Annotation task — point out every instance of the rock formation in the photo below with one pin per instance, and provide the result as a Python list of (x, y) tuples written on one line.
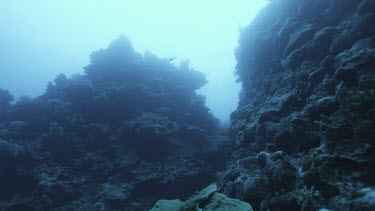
[(304, 130), (132, 130), (128, 132), (207, 199)]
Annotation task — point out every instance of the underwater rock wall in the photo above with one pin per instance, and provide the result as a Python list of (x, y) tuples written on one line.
[(304, 130), (129, 131)]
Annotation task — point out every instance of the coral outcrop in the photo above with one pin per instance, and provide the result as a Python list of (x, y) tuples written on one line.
[(304, 130), (129, 131)]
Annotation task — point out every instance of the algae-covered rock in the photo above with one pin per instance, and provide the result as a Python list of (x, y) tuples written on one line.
[(207, 199), (222, 203), (168, 205)]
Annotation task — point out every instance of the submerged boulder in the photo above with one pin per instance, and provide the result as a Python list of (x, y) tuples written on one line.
[(206, 199)]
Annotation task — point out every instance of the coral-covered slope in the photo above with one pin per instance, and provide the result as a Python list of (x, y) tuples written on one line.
[(129, 131), (304, 130)]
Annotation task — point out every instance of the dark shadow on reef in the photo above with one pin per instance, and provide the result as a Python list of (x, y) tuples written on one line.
[(128, 132)]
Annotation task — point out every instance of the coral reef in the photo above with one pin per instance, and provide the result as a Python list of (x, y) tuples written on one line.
[(304, 130), (129, 131), (132, 130)]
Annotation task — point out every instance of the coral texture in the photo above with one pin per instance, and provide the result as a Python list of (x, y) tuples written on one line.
[(304, 130), (129, 131)]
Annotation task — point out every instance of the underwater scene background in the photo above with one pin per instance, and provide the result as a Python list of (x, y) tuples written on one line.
[(132, 133)]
